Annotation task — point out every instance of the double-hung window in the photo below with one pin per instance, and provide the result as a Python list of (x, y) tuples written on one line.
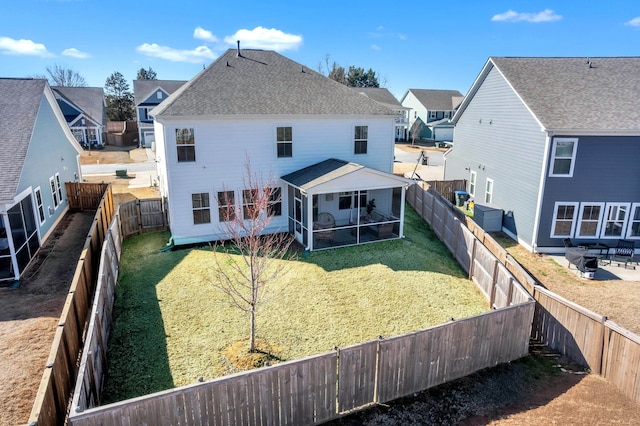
[(250, 209), (59, 188), (472, 183), (40, 205), (274, 208), (633, 231), (589, 220), (488, 192), (186, 145), (360, 139), (284, 139), (54, 192), (563, 157), (615, 220), (226, 206), (564, 219), (201, 208)]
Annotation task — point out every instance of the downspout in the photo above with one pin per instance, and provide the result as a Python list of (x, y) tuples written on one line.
[(545, 169)]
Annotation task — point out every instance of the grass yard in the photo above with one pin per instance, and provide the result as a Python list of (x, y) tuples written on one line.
[(171, 324)]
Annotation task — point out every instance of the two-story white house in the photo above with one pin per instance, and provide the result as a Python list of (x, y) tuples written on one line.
[(328, 149)]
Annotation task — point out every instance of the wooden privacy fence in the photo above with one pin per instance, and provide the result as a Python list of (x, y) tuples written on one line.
[(52, 398), (327, 386), (85, 196), (143, 215), (584, 336)]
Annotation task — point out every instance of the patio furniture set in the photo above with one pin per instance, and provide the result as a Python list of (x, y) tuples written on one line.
[(587, 257)]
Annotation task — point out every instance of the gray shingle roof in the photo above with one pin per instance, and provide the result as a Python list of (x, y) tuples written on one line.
[(264, 83), (566, 93), (19, 103), (142, 89), (438, 100), (380, 95), (321, 172), (89, 99)]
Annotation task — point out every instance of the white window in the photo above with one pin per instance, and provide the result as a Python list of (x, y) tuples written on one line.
[(201, 208), (589, 220), (159, 94), (54, 193), (284, 142), (39, 205), (564, 219), (633, 231), (615, 220), (59, 188), (186, 145), (563, 157), (472, 183), (488, 192)]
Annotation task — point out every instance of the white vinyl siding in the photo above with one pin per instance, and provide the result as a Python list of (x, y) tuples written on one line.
[(564, 220)]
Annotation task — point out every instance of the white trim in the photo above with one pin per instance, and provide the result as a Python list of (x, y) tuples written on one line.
[(488, 192), (42, 218), (541, 189), (634, 207), (622, 224), (553, 157), (54, 194), (555, 219), (598, 221), (473, 182)]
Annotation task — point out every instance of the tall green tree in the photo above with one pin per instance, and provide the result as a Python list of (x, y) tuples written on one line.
[(120, 105), (358, 77), (146, 74)]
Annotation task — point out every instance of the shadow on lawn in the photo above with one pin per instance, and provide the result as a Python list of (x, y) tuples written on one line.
[(137, 350)]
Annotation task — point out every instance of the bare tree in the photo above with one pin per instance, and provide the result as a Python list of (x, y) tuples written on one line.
[(62, 76), (251, 259)]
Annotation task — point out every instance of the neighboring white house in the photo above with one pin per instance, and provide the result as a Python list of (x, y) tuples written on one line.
[(431, 106), (329, 149), (147, 95)]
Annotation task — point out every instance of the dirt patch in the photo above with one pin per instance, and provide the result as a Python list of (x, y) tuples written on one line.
[(121, 190), (29, 316), (114, 155)]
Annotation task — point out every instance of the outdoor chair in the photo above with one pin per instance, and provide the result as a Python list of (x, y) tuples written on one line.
[(323, 228), (623, 253)]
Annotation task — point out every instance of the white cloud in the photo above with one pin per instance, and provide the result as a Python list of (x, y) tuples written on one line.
[(75, 53), (635, 22), (376, 47), (9, 46), (402, 36), (202, 34), (195, 56), (265, 38), (546, 15)]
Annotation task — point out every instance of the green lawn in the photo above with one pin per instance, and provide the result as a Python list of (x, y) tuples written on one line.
[(170, 322)]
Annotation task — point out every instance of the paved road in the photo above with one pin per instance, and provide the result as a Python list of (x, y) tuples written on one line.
[(435, 157), (107, 169)]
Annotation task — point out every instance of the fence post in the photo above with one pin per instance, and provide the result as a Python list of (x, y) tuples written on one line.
[(492, 296), (472, 259), (606, 341)]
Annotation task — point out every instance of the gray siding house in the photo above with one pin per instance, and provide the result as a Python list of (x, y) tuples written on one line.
[(38, 154), (554, 143), (431, 107), (85, 111), (147, 95), (384, 97)]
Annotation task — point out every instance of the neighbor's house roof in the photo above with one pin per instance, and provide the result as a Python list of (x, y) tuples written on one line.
[(335, 175), (19, 104), (380, 95), (579, 94), (262, 82), (437, 100), (142, 89), (89, 99)]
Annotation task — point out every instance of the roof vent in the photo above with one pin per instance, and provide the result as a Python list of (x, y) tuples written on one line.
[(302, 69), (239, 55)]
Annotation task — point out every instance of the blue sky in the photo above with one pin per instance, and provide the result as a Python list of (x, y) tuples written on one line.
[(440, 46)]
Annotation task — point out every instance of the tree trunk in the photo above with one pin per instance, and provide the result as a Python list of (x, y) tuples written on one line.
[(252, 334)]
